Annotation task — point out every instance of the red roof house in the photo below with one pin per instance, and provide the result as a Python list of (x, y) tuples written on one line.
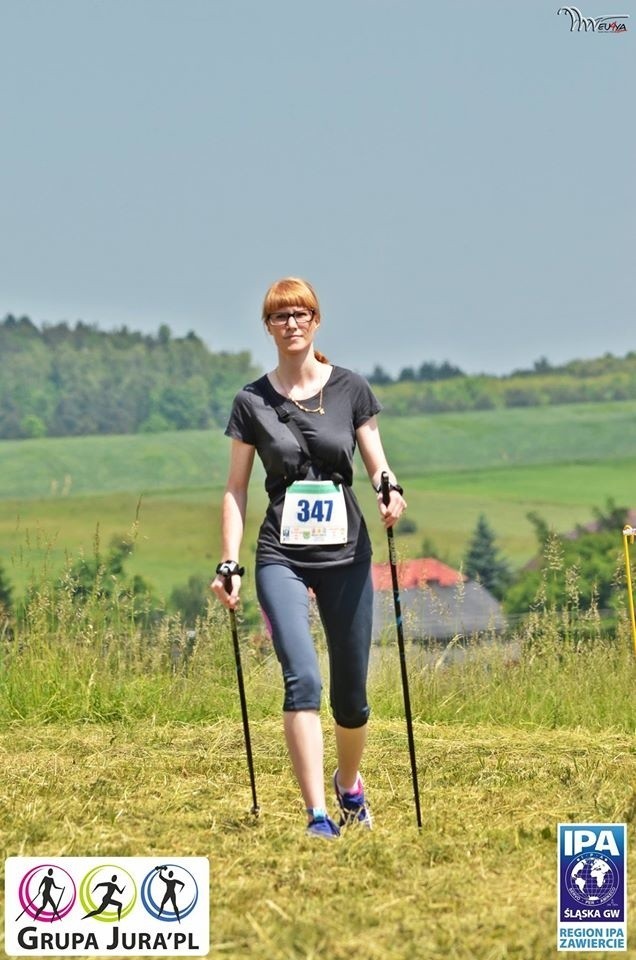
[(437, 602), (416, 573)]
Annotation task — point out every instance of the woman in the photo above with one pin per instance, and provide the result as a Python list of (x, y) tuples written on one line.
[(304, 419)]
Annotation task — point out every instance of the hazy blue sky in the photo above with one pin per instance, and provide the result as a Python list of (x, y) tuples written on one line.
[(456, 179)]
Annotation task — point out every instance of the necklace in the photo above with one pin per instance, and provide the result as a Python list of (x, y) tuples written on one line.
[(319, 409)]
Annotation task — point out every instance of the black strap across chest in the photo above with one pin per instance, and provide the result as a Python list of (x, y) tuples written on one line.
[(285, 415)]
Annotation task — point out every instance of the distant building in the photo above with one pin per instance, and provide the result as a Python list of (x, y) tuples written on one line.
[(437, 602)]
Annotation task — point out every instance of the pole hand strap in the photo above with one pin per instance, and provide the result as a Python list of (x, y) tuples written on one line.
[(229, 569)]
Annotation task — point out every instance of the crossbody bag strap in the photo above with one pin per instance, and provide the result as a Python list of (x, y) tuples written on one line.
[(284, 415)]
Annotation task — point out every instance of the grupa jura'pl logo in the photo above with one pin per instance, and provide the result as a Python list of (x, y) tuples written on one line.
[(94, 907), (592, 879), (169, 892), (46, 893), (108, 893)]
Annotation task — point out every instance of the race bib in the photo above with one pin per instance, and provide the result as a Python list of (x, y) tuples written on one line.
[(314, 512)]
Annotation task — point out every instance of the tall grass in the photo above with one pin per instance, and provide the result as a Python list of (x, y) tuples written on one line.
[(66, 662)]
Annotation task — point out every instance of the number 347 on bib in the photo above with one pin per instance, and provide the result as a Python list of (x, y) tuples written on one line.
[(314, 512)]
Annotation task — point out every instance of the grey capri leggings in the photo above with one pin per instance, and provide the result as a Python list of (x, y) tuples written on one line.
[(344, 595)]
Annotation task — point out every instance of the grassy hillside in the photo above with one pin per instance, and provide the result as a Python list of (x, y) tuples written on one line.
[(75, 466), (56, 494), (62, 467), (491, 438)]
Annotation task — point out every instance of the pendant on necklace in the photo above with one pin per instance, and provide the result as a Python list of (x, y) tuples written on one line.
[(319, 409)]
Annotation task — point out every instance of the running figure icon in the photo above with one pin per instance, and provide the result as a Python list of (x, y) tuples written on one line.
[(171, 884), (108, 901)]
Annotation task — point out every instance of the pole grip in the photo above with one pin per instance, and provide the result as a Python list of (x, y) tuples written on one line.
[(227, 570), (385, 488)]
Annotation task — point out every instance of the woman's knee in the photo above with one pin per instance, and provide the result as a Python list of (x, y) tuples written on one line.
[(303, 691), (351, 715)]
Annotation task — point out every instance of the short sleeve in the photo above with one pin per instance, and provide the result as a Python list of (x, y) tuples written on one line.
[(240, 426), (365, 403)]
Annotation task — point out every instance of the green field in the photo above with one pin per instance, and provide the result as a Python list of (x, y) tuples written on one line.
[(57, 495), (113, 743)]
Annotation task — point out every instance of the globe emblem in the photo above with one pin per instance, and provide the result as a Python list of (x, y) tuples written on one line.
[(592, 880)]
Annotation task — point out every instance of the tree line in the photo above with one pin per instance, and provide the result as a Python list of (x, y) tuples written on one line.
[(442, 388), (63, 380), (430, 371)]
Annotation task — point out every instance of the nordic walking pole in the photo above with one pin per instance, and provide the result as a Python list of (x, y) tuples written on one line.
[(386, 498), (227, 570), (629, 532), (59, 900), (31, 903)]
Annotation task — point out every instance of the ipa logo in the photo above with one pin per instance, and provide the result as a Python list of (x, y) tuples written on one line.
[(592, 887), (576, 841)]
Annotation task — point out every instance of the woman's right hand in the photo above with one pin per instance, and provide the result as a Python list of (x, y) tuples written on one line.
[(218, 587)]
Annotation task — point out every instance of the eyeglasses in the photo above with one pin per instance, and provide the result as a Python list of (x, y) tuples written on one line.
[(302, 317)]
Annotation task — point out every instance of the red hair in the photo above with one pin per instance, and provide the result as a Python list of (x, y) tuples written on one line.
[(293, 292)]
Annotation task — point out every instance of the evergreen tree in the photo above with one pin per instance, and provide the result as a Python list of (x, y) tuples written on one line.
[(6, 591), (612, 517), (104, 578), (191, 599), (483, 562), (379, 376)]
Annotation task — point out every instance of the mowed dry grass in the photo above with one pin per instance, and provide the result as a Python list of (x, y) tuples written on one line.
[(477, 882)]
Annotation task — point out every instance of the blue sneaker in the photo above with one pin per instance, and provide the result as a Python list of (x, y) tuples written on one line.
[(353, 805), (321, 825)]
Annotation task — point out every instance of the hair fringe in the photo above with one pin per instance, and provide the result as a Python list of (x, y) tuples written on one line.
[(290, 292)]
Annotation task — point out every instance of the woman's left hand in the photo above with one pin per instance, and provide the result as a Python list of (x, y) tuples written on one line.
[(392, 511)]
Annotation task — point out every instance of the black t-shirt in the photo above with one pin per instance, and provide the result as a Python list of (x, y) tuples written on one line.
[(330, 438)]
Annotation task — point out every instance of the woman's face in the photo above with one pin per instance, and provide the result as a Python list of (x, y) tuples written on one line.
[(293, 328)]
